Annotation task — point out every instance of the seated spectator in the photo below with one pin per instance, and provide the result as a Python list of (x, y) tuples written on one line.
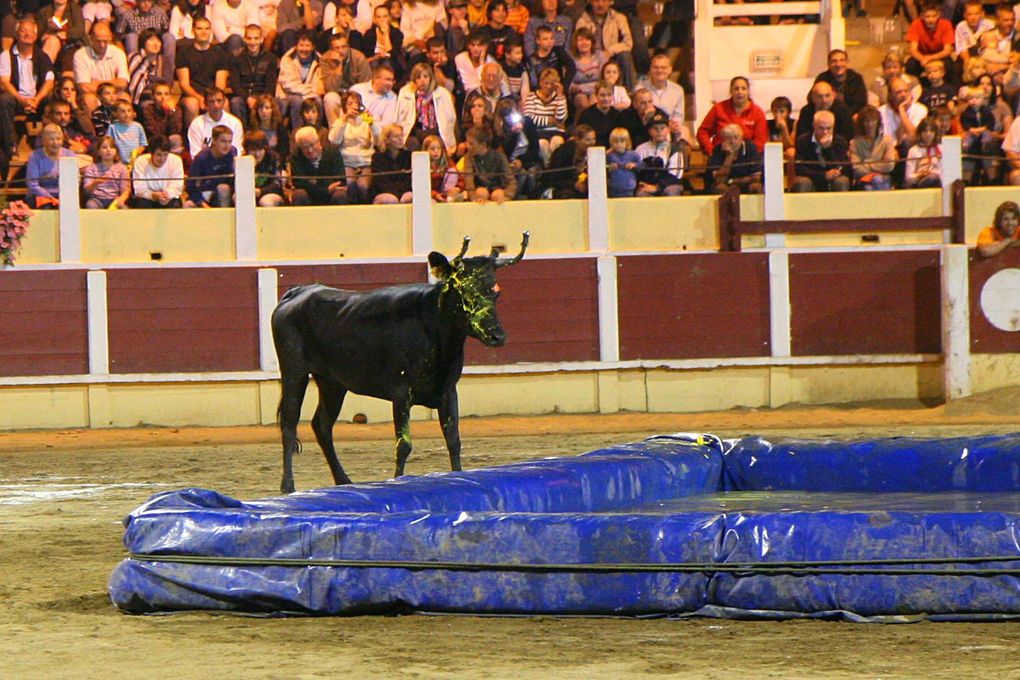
[(562, 27), (1004, 232), (822, 158), (996, 45), (602, 117), (43, 170), (622, 164), (378, 97), (978, 124), (355, 134), (495, 31), (612, 75), (251, 74), (929, 37), (383, 43), (517, 137), (391, 168), (266, 118), (100, 62), (200, 132), (97, 10), (105, 183), (470, 62), (662, 160), (20, 95), (847, 83), (161, 118), (293, 18), (299, 79), (734, 162), (103, 114), (948, 123), (547, 109), (443, 67), (901, 115), (974, 23), (311, 116), (337, 19), (998, 103), (515, 70), (1011, 147), (73, 138), (341, 68), (146, 66), (568, 167), (182, 20), (61, 30), (666, 95), (477, 113), (637, 117), (924, 159), (476, 13), (229, 19), (418, 23), (317, 172), (493, 86), (612, 35), (517, 16), (823, 98), (487, 173), (67, 92), (872, 152), (892, 67), (147, 16), (457, 33), (782, 124), (548, 56), (937, 92), (158, 177), (200, 66), (127, 133), (424, 109), (737, 109), (211, 176), (588, 63), (268, 178), (447, 184)]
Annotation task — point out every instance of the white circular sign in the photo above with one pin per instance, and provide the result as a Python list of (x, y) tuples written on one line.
[(1000, 300)]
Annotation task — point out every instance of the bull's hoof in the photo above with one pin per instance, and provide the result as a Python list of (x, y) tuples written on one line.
[(287, 486)]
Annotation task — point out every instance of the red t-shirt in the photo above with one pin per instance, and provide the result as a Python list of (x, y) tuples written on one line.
[(930, 42)]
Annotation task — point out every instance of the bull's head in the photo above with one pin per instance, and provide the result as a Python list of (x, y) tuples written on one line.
[(470, 290)]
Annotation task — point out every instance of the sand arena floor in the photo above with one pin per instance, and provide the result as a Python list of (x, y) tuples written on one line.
[(63, 494)]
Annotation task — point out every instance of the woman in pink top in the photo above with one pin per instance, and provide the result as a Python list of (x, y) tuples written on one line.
[(737, 109)]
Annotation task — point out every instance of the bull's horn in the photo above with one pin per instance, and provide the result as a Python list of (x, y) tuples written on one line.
[(463, 248), (516, 258)]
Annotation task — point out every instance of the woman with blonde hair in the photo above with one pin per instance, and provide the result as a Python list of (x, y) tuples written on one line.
[(391, 168), (425, 109)]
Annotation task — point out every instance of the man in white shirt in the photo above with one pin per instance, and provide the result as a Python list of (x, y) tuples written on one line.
[(102, 62), (1011, 145), (229, 18), (471, 61), (666, 95), (901, 114), (378, 96), (974, 23), (26, 79), (158, 177), (200, 130)]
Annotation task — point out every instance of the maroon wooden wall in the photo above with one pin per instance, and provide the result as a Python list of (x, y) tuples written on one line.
[(351, 276), (865, 303), (549, 310), (183, 320), (43, 323), (693, 306), (984, 337)]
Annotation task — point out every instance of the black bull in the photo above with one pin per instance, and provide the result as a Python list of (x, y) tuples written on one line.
[(404, 344)]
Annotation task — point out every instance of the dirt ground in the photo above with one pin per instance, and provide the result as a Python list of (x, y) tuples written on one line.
[(63, 494)]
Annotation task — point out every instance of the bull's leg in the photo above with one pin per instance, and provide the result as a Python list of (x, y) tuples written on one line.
[(292, 394), (402, 427), (449, 420), (331, 398)]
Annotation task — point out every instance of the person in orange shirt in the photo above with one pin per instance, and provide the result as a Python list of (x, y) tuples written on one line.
[(1004, 232)]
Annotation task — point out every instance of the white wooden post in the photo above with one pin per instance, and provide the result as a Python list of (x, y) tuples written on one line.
[(98, 315), (267, 286), (245, 229), (779, 302), (952, 170), (955, 321), (775, 206), (70, 210), (421, 204), (598, 202), (609, 310)]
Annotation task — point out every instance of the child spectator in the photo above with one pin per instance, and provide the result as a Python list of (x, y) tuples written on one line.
[(611, 74), (211, 176), (735, 162), (662, 163), (588, 63), (924, 160), (872, 153), (602, 117), (391, 168), (268, 180), (978, 124), (930, 36), (447, 186), (547, 109), (516, 72), (128, 134), (562, 27), (548, 55), (892, 67), (488, 176), (967, 31), (782, 124), (354, 134), (622, 163), (103, 114), (105, 184), (158, 176), (937, 92), (43, 169), (947, 122)]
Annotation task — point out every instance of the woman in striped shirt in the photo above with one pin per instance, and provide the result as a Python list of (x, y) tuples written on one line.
[(547, 109)]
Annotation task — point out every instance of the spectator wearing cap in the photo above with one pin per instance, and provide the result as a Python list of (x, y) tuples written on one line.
[(561, 27), (100, 62), (662, 162), (459, 29), (822, 160), (612, 35)]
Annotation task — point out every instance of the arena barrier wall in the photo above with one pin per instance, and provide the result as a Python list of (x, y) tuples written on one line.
[(904, 529)]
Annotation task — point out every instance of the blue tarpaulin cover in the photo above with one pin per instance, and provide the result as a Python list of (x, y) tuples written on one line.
[(672, 525)]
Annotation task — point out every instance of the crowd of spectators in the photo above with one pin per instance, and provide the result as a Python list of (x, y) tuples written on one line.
[(156, 98)]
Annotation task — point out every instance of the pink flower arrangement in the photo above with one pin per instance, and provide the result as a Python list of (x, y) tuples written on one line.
[(14, 218)]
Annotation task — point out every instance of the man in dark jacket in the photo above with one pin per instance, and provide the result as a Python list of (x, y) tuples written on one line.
[(317, 172), (823, 98), (822, 159), (568, 166), (211, 175), (251, 73), (846, 82)]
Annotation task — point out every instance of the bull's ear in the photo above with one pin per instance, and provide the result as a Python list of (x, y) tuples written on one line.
[(439, 265)]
